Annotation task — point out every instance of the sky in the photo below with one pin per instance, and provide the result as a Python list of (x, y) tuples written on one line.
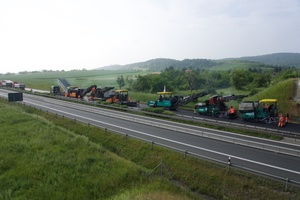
[(87, 34)]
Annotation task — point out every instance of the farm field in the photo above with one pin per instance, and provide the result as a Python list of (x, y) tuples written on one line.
[(80, 78)]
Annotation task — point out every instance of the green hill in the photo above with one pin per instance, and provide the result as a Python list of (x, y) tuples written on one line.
[(160, 64), (270, 60), (283, 92), (276, 59)]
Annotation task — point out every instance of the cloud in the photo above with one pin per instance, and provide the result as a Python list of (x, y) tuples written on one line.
[(64, 34)]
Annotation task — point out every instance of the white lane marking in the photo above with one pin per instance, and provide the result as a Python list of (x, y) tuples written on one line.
[(173, 141)]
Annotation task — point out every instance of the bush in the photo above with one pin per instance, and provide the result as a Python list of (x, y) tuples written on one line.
[(154, 110)]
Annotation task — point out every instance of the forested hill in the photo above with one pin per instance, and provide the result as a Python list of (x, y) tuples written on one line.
[(160, 64), (276, 59)]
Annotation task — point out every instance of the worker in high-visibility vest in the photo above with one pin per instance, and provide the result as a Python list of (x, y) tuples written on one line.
[(287, 118), (231, 111), (281, 120)]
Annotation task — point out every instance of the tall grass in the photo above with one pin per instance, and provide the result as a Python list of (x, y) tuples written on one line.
[(40, 160)]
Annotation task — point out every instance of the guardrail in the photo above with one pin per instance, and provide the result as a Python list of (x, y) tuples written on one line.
[(206, 134), (192, 130), (290, 134), (275, 148), (230, 159)]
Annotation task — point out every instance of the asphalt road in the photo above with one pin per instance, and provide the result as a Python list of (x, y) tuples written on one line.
[(180, 136), (292, 127)]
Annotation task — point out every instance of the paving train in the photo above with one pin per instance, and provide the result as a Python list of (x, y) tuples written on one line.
[(92, 93)]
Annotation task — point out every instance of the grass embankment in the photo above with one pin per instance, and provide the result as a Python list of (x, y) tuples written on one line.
[(40, 160), (62, 159), (283, 92)]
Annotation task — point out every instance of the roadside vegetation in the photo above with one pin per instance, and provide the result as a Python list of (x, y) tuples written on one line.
[(45, 156), (283, 92), (40, 160)]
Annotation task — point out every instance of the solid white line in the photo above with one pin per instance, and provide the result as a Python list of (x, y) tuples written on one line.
[(173, 141)]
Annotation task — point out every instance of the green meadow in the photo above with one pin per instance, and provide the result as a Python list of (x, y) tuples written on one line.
[(42, 160), (80, 78)]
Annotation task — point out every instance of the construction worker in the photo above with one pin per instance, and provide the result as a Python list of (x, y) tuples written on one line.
[(213, 112), (287, 118), (160, 98), (281, 121), (266, 109), (231, 111)]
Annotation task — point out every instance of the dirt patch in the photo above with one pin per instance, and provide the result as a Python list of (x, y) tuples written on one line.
[(295, 105), (296, 93)]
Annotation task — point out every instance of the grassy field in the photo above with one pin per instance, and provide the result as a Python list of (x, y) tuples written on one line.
[(45, 156), (80, 78), (235, 64), (40, 160)]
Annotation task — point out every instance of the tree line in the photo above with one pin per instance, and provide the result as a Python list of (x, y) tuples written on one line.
[(188, 79)]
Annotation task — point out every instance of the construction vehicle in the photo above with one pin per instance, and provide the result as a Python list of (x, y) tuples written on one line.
[(120, 97), (13, 84), (95, 93), (88, 90), (73, 91), (264, 110), (7, 83), (101, 93), (169, 101), (18, 85), (216, 106), (69, 91), (55, 90)]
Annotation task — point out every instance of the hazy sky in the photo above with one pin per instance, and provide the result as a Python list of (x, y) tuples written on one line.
[(77, 34)]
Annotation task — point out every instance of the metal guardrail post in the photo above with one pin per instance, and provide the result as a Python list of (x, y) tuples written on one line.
[(286, 184), (185, 153), (229, 162)]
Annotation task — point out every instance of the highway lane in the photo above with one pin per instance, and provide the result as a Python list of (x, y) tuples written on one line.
[(216, 134), (282, 165)]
